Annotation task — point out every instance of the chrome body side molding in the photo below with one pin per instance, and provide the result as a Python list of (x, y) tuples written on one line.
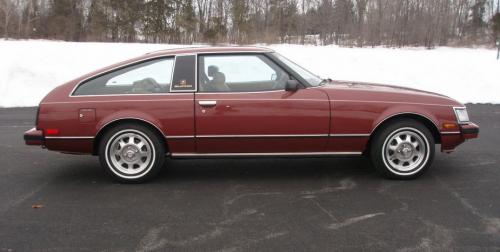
[(263, 136), (69, 137), (265, 154), (451, 133), (267, 136), (349, 135)]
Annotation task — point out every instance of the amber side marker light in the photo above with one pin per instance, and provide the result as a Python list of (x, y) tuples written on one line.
[(450, 126), (51, 132)]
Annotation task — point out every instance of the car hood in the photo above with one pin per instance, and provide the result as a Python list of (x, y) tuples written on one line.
[(382, 92), (378, 87)]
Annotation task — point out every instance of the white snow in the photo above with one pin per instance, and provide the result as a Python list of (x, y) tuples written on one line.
[(467, 75), (30, 69)]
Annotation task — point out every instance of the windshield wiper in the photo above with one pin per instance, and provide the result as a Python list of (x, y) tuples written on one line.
[(325, 81)]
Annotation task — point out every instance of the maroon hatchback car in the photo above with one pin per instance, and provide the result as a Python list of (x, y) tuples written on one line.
[(241, 102)]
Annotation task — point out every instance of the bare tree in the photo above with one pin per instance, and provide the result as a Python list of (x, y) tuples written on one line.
[(345, 22), (7, 7)]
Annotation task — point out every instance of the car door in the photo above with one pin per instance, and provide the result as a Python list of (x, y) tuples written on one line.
[(264, 120)]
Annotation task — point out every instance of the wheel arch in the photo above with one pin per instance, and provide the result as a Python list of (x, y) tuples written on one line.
[(429, 123), (111, 124)]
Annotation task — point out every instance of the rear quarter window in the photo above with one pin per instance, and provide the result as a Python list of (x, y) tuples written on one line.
[(153, 76)]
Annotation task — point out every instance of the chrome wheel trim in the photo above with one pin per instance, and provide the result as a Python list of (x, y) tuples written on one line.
[(405, 151), (130, 154)]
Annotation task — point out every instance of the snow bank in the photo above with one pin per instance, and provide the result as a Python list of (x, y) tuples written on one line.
[(30, 69), (467, 75)]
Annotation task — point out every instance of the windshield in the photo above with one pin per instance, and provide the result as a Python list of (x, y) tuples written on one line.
[(311, 78)]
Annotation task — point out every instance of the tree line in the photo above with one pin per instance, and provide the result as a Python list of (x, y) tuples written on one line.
[(343, 22)]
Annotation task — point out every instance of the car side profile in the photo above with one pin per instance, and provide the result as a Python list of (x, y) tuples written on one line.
[(241, 102)]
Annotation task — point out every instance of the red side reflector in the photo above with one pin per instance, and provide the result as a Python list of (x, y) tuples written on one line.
[(52, 132)]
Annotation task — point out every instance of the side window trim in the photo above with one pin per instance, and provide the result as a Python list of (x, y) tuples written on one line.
[(195, 74), (118, 68), (257, 54)]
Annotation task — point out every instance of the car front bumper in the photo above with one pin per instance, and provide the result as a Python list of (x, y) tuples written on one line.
[(449, 141), (469, 131), (34, 137)]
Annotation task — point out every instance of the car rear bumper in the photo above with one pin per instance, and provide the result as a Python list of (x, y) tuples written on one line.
[(449, 141), (34, 137)]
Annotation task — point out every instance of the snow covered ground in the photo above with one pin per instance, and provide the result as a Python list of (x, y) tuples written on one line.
[(30, 69)]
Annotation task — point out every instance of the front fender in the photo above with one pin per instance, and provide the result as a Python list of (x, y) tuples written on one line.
[(405, 109)]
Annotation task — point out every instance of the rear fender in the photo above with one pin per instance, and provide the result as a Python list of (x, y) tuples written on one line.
[(129, 114)]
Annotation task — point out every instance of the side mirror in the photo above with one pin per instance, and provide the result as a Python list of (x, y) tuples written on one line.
[(292, 85)]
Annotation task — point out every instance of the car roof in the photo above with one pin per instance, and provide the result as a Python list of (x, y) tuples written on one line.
[(211, 49), (178, 51)]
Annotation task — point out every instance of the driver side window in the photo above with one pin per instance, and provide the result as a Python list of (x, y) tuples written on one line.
[(239, 73)]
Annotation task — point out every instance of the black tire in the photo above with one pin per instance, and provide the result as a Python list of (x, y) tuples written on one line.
[(146, 153), (397, 152)]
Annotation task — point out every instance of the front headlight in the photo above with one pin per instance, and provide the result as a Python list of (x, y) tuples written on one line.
[(462, 115)]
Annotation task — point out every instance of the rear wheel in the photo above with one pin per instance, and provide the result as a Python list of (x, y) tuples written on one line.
[(131, 153), (403, 149)]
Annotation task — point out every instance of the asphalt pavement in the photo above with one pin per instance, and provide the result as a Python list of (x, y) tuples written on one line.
[(58, 202)]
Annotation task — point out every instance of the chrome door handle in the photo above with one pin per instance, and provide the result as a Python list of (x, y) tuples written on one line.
[(207, 103)]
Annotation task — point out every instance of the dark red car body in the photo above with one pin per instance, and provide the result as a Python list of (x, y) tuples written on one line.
[(337, 118)]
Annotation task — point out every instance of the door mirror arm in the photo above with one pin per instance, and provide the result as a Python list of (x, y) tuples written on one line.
[(292, 85)]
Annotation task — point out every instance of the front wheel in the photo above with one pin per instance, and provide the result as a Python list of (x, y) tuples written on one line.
[(131, 153), (403, 149)]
